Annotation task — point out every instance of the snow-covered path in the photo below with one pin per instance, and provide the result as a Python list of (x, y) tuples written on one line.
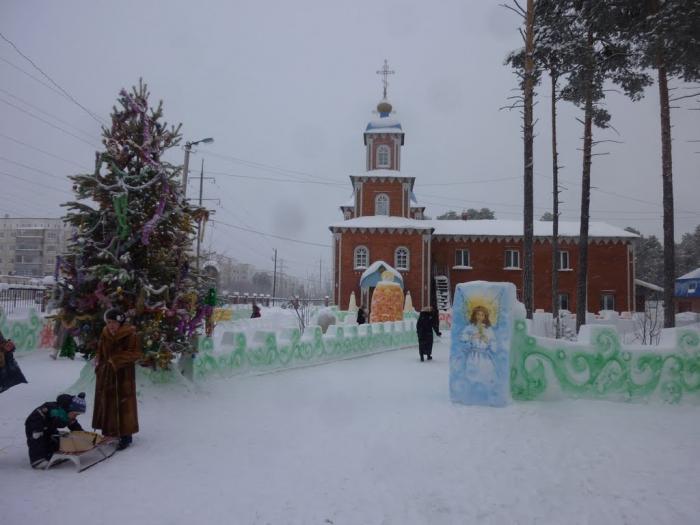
[(372, 440)]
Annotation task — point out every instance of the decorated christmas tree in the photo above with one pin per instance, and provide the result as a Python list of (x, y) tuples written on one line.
[(133, 233)]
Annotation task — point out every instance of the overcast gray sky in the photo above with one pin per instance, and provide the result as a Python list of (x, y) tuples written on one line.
[(286, 89)]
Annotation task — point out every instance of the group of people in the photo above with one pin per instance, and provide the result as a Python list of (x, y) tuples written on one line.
[(115, 411)]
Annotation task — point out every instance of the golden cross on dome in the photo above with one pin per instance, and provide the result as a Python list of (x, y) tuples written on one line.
[(385, 72)]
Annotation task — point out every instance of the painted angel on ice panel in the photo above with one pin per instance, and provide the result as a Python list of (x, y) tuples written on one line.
[(482, 324), (478, 346)]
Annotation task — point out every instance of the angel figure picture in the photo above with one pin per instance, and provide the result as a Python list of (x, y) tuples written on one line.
[(477, 343)]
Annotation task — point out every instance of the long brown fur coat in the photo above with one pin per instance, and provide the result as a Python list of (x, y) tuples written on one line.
[(115, 390)]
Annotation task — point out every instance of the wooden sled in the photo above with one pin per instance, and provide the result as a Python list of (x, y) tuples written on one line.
[(83, 449)]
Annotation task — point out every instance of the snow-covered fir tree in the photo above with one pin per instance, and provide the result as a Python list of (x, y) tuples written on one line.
[(133, 232)]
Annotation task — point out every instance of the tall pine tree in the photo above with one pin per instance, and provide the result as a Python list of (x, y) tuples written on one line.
[(133, 233)]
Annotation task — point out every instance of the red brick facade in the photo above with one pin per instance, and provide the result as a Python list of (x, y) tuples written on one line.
[(610, 269), (382, 247)]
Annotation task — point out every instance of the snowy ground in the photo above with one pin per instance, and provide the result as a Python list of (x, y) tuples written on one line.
[(372, 440)]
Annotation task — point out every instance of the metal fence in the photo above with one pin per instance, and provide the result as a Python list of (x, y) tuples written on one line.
[(19, 298)]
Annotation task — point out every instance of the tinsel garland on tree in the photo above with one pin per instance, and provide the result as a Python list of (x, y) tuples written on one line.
[(133, 233)]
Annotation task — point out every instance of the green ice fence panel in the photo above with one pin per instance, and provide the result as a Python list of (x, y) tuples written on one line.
[(23, 332), (287, 349), (605, 369)]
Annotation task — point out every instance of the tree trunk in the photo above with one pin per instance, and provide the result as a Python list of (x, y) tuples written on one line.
[(555, 208), (582, 278), (528, 151), (667, 178)]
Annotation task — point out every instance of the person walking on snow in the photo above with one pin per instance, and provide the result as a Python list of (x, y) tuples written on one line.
[(256, 311), (41, 426), (118, 349), (424, 328), (361, 318)]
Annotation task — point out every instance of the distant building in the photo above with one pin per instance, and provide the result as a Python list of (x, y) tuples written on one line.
[(384, 222), (29, 246), (688, 292)]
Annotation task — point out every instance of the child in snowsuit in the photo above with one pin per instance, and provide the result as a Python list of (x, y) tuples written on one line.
[(424, 328), (41, 427)]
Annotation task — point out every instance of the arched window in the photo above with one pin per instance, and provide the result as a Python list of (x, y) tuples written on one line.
[(401, 258), (383, 156), (361, 257), (381, 204)]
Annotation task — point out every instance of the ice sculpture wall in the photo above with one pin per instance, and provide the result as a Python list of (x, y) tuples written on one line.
[(241, 352), (598, 366)]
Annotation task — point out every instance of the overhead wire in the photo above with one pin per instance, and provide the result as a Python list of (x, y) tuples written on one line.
[(56, 84), (48, 114), (7, 137), (92, 145)]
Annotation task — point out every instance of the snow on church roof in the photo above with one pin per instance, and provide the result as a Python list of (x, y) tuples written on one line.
[(383, 221), (384, 173), (384, 125), (484, 228), (514, 228)]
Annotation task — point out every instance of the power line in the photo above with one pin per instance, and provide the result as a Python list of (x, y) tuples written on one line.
[(297, 181), (36, 108), (268, 167), (31, 76), (32, 168), (49, 123), (273, 235), (483, 181), (65, 93), (41, 184), (43, 151)]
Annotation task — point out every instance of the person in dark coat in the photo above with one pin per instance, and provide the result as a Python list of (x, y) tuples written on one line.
[(424, 329), (256, 311), (41, 427), (118, 350), (361, 318), (10, 373)]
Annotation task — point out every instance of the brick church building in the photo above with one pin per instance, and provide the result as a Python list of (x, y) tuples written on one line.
[(383, 227)]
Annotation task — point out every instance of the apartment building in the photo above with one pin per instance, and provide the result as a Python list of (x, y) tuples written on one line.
[(29, 246)]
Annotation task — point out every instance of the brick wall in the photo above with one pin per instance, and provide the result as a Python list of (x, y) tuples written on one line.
[(393, 190), (608, 270), (381, 248)]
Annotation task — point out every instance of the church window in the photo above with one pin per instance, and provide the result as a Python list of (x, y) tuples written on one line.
[(381, 204), (401, 258), (361, 257), (383, 156)]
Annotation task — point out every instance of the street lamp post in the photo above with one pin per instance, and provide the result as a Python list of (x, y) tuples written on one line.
[(186, 167)]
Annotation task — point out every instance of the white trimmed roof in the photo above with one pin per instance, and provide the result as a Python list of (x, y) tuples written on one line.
[(375, 266), (384, 125), (384, 173), (488, 228), (695, 274), (514, 228), (383, 221)]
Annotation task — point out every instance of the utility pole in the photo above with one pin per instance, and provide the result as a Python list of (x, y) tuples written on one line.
[(186, 166), (320, 276), (274, 280), (199, 224)]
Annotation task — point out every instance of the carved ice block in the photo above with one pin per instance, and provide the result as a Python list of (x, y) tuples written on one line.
[(482, 327)]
